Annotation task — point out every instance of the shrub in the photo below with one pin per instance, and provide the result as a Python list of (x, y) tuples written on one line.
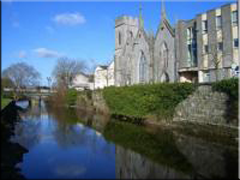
[(71, 96), (141, 100), (230, 87)]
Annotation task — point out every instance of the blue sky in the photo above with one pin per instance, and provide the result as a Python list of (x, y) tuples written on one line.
[(40, 32)]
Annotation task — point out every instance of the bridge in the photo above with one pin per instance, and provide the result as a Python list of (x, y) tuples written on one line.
[(32, 94)]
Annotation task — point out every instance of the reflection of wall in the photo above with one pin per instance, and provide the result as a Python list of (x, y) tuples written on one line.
[(95, 120), (132, 165), (208, 160)]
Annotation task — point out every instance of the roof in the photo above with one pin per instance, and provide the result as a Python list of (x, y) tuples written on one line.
[(103, 66)]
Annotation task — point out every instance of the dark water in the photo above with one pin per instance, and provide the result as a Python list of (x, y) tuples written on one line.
[(65, 143)]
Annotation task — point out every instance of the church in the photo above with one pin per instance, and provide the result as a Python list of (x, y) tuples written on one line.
[(142, 57)]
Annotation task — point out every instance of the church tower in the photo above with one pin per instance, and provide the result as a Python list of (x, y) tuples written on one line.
[(126, 28)]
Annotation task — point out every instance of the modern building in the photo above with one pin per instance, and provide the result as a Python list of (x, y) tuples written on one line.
[(207, 47)]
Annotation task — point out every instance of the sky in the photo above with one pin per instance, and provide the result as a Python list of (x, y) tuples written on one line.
[(39, 33)]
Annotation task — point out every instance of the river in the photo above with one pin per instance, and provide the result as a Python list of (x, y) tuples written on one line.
[(69, 143)]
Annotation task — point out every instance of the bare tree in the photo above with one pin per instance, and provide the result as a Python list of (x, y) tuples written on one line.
[(22, 75), (66, 69), (216, 56)]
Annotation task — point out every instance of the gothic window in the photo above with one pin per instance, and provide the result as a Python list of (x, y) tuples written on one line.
[(131, 34), (205, 26), (142, 68), (234, 17), (165, 77), (164, 54), (218, 22), (119, 38)]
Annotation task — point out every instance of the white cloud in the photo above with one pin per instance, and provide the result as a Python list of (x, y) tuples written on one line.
[(69, 19), (22, 54), (47, 53)]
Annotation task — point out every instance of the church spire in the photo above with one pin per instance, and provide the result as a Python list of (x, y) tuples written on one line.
[(163, 12), (140, 17)]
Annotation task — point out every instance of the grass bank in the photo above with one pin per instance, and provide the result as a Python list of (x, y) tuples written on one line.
[(5, 102)]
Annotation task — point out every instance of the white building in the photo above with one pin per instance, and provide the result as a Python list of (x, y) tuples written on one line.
[(110, 74), (100, 77), (81, 82)]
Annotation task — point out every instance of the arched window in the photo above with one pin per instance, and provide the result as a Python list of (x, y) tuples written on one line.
[(165, 77), (119, 38), (131, 34), (142, 68), (164, 55)]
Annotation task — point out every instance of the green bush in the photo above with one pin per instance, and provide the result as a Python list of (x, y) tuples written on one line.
[(230, 87), (71, 96), (150, 99)]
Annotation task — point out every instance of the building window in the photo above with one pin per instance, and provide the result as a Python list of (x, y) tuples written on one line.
[(142, 68), (191, 46), (204, 26), (119, 38), (164, 54), (220, 46), (235, 17), (235, 43), (219, 22), (205, 49)]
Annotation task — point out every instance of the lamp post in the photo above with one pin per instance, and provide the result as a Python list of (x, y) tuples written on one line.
[(49, 79)]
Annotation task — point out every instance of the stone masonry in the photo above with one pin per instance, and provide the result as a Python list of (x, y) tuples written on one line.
[(204, 106)]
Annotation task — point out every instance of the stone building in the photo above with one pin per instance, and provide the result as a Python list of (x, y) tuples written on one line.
[(197, 50), (207, 46), (141, 57)]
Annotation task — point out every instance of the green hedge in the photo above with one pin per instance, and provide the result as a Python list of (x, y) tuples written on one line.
[(230, 87), (150, 99)]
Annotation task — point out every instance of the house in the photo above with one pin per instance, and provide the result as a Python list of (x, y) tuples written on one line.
[(82, 82), (100, 77)]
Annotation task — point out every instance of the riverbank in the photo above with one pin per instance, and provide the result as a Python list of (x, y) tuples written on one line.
[(5, 102), (11, 153)]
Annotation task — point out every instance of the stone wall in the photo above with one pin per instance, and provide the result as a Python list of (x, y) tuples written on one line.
[(205, 106), (99, 102)]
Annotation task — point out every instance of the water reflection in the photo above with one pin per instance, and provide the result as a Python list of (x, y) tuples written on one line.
[(71, 143), (131, 165)]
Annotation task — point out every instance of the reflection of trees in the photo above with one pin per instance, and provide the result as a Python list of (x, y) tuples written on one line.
[(27, 133), (70, 131)]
